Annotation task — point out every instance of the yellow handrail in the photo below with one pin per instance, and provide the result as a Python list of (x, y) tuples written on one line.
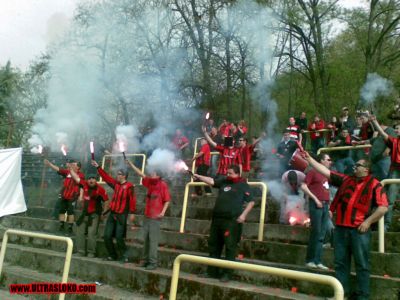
[(262, 210), (39, 235), (120, 155), (329, 149), (319, 130), (381, 223), (297, 275)]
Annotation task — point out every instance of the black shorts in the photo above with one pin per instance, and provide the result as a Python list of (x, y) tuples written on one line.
[(66, 206)]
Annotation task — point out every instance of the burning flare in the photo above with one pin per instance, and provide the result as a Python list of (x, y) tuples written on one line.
[(292, 220), (180, 165), (207, 116), (92, 149), (64, 150)]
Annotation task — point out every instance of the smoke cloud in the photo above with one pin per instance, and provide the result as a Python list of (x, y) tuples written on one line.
[(375, 86)]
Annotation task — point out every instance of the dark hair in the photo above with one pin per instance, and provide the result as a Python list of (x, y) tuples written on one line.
[(292, 176), (124, 172), (321, 156), (367, 162), (235, 168)]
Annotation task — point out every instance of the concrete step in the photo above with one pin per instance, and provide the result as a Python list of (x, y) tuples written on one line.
[(280, 252), (155, 283), (193, 211), (274, 232), (24, 275)]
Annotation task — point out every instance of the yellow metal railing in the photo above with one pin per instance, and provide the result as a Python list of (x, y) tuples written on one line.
[(381, 223), (262, 210), (103, 163), (297, 275), (39, 235), (329, 149)]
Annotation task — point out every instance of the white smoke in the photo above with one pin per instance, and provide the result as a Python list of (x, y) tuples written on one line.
[(162, 160), (375, 86), (128, 135)]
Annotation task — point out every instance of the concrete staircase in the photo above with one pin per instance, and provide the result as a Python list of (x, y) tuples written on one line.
[(284, 246)]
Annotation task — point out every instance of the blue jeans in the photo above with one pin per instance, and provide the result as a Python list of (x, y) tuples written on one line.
[(344, 165), (392, 193), (349, 242), (316, 144), (319, 220), (380, 169)]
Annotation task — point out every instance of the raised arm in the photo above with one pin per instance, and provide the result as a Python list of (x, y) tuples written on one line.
[(107, 178), (75, 176), (52, 166), (379, 128), (134, 168), (205, 179), (317, 166), (208, 138)]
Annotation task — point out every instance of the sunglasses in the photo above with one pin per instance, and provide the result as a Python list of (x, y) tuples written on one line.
[(241, 140), (359, 165)]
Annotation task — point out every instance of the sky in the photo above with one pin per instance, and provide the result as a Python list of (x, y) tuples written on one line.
[(27, 26)]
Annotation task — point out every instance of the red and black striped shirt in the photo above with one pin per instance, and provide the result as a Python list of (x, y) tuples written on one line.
[(245, 155), (227, 156), (92, 196), (70, 189), (124, 198), (355, 198)]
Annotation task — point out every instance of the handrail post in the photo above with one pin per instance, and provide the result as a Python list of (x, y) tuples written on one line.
[(184, 207), (292, 274), (39, 235)]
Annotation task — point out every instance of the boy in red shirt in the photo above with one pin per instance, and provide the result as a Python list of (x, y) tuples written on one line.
[(203, 164), (93, 196), (246, 151), (69, 193), (157, 201)]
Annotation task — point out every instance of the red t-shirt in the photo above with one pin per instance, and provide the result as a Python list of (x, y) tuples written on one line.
[(394, 143), (157, 195), (70, 189), (245, 153), (205, 158), (318, 185), (124, 198), (92, 196), (355, 198), (179, 141), (227, 157), (316, 126)]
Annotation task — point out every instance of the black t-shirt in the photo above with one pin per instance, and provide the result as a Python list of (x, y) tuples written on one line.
[(231, 198)]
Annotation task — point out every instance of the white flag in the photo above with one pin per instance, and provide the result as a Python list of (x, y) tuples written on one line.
[(12, 200)]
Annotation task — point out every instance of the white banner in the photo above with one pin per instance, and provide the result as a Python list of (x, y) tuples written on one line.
[(12, 200)]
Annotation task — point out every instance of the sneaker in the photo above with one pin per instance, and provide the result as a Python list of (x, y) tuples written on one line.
[(322, 267), (150, 267), (91, 255), (311, 265), (209, 194), (326, 245)]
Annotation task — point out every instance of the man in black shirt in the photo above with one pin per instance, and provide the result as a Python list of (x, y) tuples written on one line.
[(228, 216)]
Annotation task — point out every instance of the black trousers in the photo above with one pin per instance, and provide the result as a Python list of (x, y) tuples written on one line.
[(223, 232), (202, 170), (115, 227)]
